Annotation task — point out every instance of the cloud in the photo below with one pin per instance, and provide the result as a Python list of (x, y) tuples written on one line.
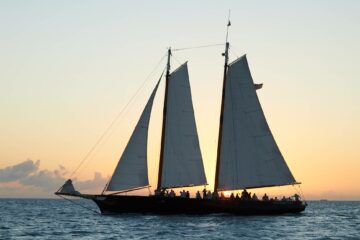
[(19, 171), (97, 182), (28, 174)]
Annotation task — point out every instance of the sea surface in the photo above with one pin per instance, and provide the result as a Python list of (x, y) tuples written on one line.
[(60, 219)]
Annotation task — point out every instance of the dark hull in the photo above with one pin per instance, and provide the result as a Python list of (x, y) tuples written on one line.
[(160, 205)]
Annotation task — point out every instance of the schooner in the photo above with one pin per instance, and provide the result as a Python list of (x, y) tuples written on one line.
[(247, 154)]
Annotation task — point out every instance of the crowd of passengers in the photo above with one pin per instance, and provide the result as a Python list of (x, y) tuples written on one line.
[(245, 195)]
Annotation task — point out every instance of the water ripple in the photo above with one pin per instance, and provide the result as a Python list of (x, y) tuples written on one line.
[(59, 219)]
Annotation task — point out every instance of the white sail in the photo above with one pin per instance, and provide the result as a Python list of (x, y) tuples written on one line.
[(249, 155), (131, 171), (182, 162)]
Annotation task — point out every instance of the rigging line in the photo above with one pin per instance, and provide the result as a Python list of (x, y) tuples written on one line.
[(195, 47), (116, 118), (235, 49), (180, 61), (73, 202), (228, 25), (233, 52), (301, 193), (114, 123), (103, 142), (106, 139)]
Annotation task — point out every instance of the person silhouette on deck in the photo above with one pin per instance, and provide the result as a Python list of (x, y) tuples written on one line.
[(265, 197), (204, 193), (254, 197), (208, 195), (172, 194), (244, 195), (183, 194), (297, 197), (198, 195)]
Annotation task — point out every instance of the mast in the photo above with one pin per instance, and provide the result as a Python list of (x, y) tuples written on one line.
[(164, 120), (226, 55)]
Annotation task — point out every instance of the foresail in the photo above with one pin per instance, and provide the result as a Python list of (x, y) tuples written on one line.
[(131, 171), (182, 163), (249, 155), (68, 189)]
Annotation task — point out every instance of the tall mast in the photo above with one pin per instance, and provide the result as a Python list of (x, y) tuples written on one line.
[(226, 55), (164, 120)]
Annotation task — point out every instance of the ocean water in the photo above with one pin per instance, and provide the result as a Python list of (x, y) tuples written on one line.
[(60, 219)]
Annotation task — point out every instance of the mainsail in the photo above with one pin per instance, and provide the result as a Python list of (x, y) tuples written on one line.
[(182, 161), (249, 155), (131, 171)]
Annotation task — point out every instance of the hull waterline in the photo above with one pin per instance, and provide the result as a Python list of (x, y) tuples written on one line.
[(162, 205)]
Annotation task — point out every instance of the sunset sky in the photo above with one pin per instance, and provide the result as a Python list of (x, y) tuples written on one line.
[(68, 68)]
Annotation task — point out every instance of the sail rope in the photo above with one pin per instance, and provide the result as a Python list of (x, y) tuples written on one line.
[(110, 126), (233, 52), (195, 47), (87, 208), (178, 59), (300, 192)]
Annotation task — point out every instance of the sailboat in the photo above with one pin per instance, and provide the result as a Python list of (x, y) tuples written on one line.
[(247, 154)]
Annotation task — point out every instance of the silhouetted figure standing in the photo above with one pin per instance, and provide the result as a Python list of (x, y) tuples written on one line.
[(265, 197), (232, 196), (204, 193), (198, 195)]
